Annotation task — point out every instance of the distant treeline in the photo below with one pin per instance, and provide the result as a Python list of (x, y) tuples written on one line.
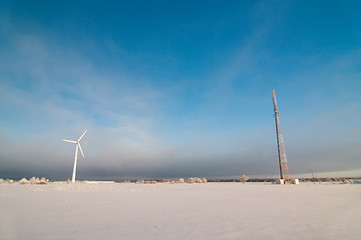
[(315, 179)]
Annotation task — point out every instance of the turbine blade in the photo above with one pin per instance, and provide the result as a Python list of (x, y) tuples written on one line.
[(82, 135), (81, 150), (69, 141)]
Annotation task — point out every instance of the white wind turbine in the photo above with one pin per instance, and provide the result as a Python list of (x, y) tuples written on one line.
[(76, 153)]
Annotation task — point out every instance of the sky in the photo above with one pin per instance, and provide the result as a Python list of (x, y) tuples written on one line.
[(179, 88)]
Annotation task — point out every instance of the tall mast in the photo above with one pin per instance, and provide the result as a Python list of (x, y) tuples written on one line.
[(282, 158)]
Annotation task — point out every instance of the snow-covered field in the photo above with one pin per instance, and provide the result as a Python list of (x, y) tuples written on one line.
[(180, 211)]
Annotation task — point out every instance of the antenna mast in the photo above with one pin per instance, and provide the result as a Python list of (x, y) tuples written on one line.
[(282, 158)]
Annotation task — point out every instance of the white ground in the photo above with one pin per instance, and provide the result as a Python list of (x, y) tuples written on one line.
[(180, 211)]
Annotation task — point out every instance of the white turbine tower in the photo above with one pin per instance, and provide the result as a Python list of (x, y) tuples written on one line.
[(77, 143)]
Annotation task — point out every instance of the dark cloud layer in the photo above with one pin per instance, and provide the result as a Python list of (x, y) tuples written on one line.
[(45, 160)]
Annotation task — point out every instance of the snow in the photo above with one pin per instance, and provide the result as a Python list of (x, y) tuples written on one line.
[(180, 211)]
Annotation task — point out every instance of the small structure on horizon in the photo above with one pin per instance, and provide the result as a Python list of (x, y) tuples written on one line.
[(77, 143)]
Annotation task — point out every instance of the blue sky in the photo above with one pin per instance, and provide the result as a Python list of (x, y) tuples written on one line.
[(177, 89)]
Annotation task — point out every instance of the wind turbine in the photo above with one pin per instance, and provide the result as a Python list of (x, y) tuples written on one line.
[(77, 143)]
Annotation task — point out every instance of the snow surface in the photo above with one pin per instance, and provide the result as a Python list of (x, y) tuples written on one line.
[(180, 211)]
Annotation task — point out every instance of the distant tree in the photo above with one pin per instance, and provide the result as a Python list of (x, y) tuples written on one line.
[(181, 180), (23, 181), (313, 178), (191, 180), (244, 178)]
